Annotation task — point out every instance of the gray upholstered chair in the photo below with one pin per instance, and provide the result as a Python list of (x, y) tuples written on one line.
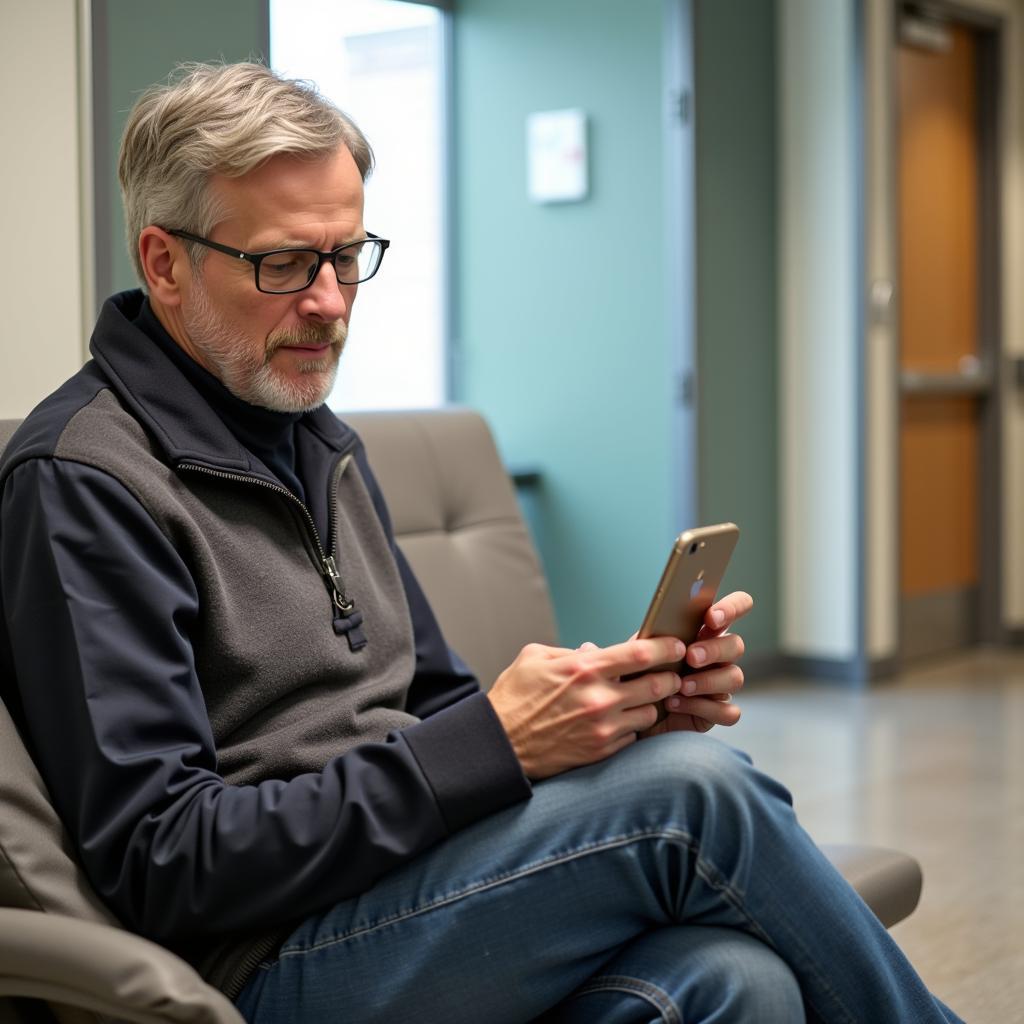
[(62, 954)]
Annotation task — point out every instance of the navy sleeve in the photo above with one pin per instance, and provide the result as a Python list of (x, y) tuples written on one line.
[(98, 611)]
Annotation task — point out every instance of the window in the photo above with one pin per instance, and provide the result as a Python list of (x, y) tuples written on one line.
[(382, 62)]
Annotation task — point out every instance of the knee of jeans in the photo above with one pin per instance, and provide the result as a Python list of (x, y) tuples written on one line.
[(754, 983), (697, 766), (696, 973)]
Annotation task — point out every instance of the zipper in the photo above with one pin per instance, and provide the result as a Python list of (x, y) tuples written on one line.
[(341, 602), (328, 568), (332, 533), (261, 951)]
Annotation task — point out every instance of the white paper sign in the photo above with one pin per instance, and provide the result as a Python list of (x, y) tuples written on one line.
[(556, 146)]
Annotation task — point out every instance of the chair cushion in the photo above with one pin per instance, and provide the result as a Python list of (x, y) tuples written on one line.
[(110, 972)]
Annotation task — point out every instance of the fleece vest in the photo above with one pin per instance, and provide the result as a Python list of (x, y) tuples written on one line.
[(281, 700)]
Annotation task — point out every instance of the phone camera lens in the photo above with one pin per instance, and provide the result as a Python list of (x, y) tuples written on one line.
[(693, 549)]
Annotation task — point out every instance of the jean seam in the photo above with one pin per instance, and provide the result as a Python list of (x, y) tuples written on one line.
[(484, 886), (639, 987)]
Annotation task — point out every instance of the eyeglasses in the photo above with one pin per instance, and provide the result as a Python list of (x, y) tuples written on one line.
[(281, 271)]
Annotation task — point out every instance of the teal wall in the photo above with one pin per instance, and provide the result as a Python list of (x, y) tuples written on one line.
[(559, 318), (567, 351), (137, 43), (734, 46)]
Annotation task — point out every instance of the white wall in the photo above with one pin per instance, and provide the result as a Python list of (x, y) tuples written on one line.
[(818, 343), (42, 293)]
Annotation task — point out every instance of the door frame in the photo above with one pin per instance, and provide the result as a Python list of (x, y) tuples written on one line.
[(680, 199)]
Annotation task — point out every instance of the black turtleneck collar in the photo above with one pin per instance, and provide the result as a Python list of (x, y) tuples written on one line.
[(268, 435)]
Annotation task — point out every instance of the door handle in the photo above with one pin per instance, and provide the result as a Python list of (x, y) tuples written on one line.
[(975, 378)]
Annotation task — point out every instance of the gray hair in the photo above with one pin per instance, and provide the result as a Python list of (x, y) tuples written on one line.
[(218, 119)]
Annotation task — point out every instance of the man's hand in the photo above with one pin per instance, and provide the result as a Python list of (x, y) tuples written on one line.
[(706, 696), (563, 708)]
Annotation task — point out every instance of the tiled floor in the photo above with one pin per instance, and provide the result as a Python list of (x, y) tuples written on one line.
[(931, 763)]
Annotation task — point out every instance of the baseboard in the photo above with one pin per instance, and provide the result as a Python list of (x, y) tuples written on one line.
[(762, 666), (884, 668), (851, 672)]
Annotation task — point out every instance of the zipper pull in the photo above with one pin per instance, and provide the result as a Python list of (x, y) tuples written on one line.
[(341, 602), (347, 621)]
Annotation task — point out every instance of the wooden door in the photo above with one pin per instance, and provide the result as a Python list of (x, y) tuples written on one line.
[(943, 377)]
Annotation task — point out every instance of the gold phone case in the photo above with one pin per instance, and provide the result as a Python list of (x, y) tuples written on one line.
[(690, 582)]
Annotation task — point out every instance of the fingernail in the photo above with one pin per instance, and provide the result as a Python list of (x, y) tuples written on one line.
[(674, 703), (680, 649), (717, 618), (698, 655), (689, 687)]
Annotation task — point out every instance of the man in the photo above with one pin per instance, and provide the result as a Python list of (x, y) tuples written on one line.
[(306, 794)]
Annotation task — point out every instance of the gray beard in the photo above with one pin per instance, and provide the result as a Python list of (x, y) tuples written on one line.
[(228, 353)]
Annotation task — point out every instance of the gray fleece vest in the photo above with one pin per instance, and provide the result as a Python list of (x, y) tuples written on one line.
[(284, 691)]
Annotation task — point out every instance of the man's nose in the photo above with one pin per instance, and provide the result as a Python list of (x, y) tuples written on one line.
[(325, 299)]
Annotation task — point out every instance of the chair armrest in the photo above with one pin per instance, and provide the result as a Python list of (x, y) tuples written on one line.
[(888, 881), (107, 970)]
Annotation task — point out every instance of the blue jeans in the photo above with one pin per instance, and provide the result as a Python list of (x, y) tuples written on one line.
[(669, 883)]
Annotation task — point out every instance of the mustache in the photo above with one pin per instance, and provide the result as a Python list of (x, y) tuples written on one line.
[(333, 334)]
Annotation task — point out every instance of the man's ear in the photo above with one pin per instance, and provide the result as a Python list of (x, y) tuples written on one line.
[(165, 264)]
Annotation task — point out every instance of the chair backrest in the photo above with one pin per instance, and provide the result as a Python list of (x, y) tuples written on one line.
[(7, 427)]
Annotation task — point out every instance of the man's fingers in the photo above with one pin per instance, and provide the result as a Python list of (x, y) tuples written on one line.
[(715, 650), (724, 612), (722, 679), (649, 689), (707, 709), (638, 656)]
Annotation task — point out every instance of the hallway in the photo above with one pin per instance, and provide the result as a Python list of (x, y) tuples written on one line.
[(931, 763)]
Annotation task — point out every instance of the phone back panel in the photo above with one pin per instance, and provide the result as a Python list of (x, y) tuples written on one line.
[(690, 582)]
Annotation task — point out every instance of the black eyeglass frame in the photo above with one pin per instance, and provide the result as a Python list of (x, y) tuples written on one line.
[(256, 258)]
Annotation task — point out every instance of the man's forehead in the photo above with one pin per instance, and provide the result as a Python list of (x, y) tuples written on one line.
[(285, 199)]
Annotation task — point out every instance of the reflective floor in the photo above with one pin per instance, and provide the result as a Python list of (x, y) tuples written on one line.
[(931, 763)]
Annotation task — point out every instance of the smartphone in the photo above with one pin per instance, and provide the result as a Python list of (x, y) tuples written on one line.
[(688, 585)]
